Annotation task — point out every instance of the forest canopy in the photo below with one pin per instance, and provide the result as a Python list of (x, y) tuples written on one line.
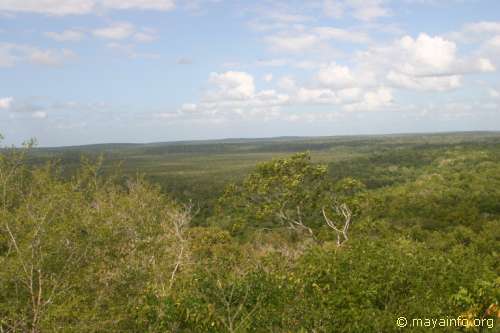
[(292, 246)]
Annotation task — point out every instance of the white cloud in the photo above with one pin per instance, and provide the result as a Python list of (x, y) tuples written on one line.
[(233, 94), (277, 17), (305, 64), (372, 100), (27, 106), (65, 36), (39, 115), (483, 27), (5, 103), (484, 65), (492, 47), (32, 107), (304, 39), (344, 80), (476, 31), (270, 97), (336, 76), (287, 83), (494, 42), (333, 8), (426, 55), (367, 10), (81, 7), (189, 108), (423, 63), (492, 92), (315, 96), (123, 30), (11, 54), (144, 37), (49, 7), (342, 35), (485, 34), (117, 31), (331, 91), (162, 5), (50, 57), (364, 10), (268, 77), (432, 83), (231, 85), (286, 17), (292, 42)]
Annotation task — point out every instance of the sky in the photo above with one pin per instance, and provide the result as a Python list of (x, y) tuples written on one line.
[(95, 71)]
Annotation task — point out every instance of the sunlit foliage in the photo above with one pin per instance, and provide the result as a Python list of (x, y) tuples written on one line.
[(93, 250)]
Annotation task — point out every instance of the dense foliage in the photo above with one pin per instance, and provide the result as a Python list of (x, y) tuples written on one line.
[(95, 251)]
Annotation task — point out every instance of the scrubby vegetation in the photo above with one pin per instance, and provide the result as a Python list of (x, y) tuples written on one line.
[(346, 238)]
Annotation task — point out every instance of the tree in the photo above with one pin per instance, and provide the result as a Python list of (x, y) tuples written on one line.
[(79, 253), (292, 192)]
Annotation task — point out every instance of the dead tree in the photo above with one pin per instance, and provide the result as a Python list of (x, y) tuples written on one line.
[(341, 229), (180, 219), (294, 223)]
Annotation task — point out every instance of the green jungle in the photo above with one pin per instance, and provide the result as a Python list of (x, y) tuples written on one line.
[(292, 234)]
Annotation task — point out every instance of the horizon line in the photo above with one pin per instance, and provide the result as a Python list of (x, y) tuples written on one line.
[(264, 138)]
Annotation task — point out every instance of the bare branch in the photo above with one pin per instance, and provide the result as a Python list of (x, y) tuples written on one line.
[(344, 211), (296, 223)]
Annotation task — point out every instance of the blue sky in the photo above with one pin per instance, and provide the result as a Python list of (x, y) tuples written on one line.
[(93, 71)]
